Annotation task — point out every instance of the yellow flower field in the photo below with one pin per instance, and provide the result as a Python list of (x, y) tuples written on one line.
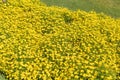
[(38, 42)]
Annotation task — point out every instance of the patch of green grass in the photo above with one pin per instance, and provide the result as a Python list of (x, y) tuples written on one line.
[(2, 77), (109, 7)]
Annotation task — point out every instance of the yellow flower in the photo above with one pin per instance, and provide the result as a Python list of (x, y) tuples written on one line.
[(82, 71)]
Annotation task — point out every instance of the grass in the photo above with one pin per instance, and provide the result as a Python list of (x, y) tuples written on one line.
[(2, 77), (109, 7)]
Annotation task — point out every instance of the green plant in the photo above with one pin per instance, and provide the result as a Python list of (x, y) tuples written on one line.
[(109, 7)]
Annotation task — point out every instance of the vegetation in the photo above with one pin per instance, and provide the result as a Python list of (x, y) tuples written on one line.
[(109, 7), (2, 77), (38, 42)]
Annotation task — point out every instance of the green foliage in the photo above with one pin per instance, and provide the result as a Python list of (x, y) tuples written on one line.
[(38, 42), (109, 7), (2, 76)]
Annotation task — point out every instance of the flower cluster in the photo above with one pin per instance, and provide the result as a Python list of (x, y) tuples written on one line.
[(52, 43)]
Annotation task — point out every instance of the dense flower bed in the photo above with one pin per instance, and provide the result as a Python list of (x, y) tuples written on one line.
[(52, 43)]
